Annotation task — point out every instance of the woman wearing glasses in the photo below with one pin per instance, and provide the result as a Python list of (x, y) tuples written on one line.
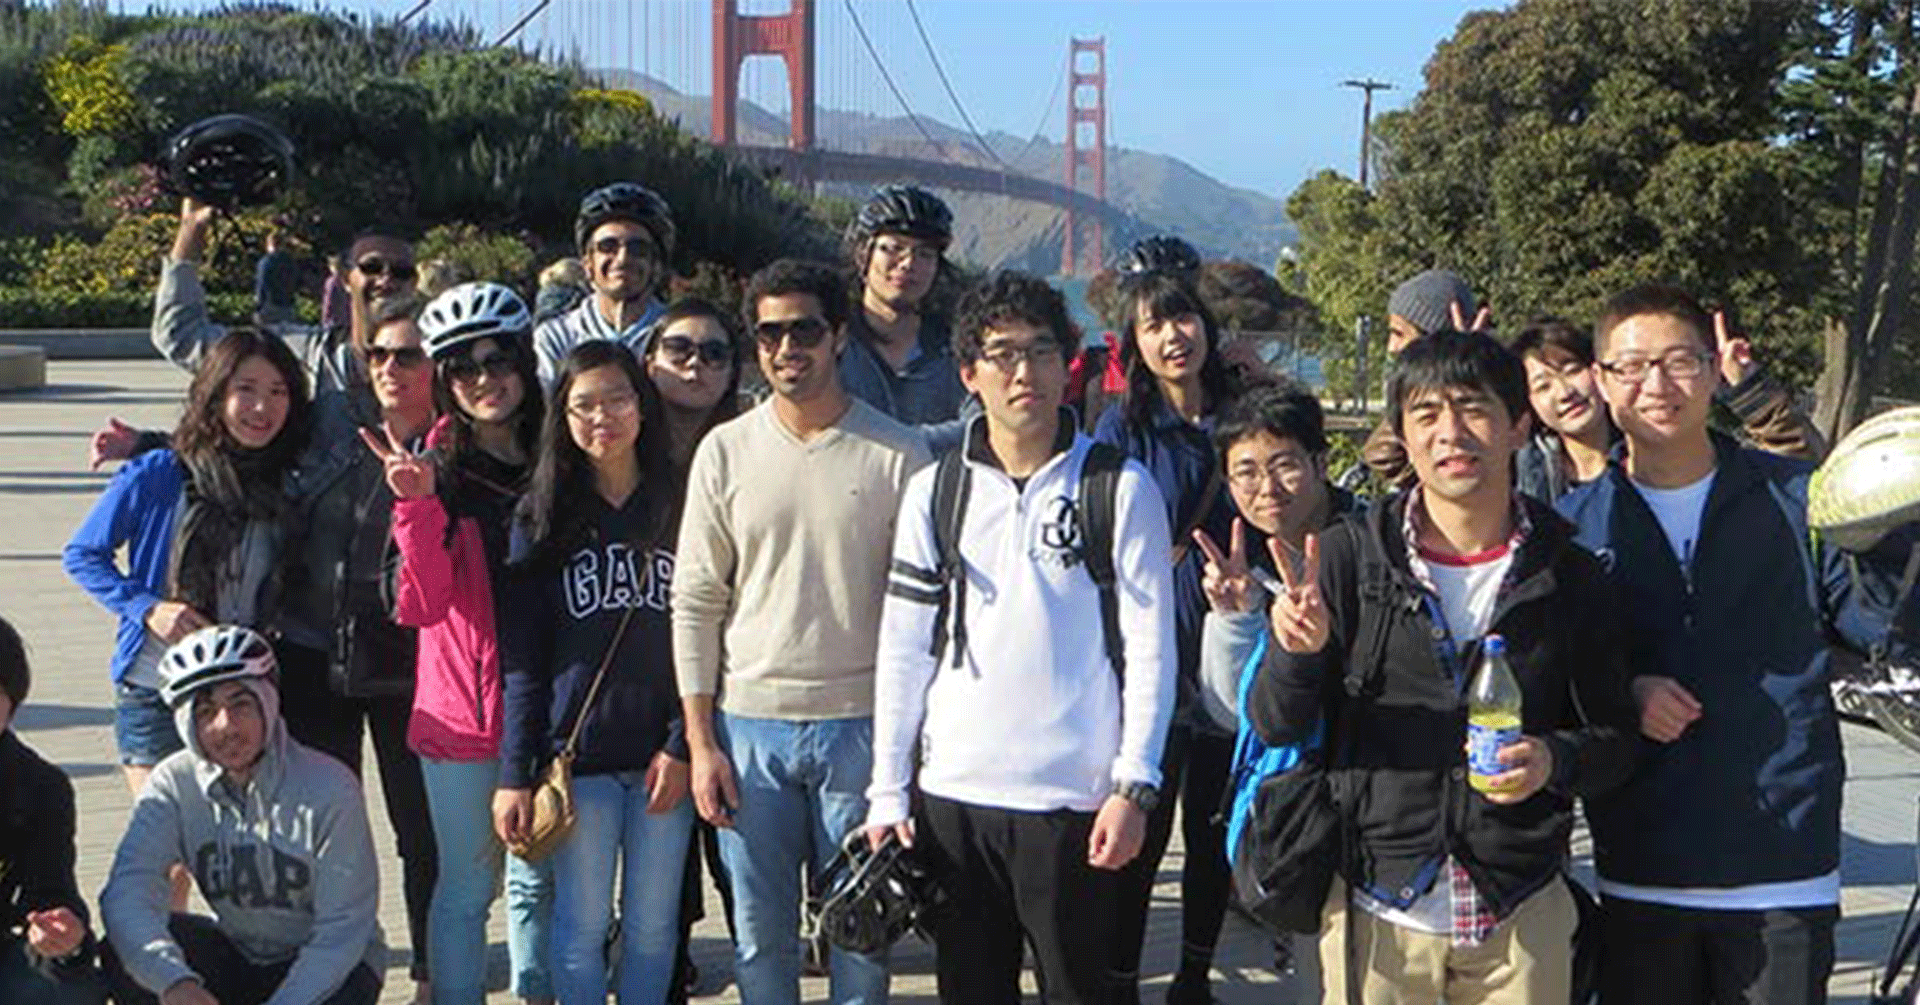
[(451, 513), (588, 654), (1177, 383)]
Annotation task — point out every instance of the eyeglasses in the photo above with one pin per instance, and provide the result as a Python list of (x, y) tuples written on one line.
[(894, 250), (636, 246), (681, 349), (1681, 364), (377, 267), (1280, 469), (406, 356), (1007, 358), (467, 370), (804, 332), (613, 406)]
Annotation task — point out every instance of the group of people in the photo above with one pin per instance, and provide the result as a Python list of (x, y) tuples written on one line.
[(915, 595)]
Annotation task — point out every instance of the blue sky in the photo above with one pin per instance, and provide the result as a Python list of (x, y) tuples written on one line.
[(1245, 90)]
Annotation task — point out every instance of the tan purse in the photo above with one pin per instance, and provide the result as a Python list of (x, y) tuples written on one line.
[(553, 813)]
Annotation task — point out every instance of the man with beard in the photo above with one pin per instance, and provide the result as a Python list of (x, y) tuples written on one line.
[(899, 355), (625, 234), (777, 588)]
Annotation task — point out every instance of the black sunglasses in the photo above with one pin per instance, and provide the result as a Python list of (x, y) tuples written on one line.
[(679, 349), (804, 332), (413, 355), (636, 246), (467, 370), (403, 271)]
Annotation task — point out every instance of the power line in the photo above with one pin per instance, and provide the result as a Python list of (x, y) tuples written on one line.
[(1039, 129), (884, 75), (948, 85)]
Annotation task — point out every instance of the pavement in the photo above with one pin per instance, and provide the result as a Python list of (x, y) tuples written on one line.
[(46, 489)]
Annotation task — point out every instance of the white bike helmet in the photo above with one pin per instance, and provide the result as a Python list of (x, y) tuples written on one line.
[(1870, 483), (473, 311), (212, 656)]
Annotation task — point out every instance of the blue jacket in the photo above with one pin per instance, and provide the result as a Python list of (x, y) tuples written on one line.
[(1181, 458), (137, 510), (1750, 793), (927, 394)]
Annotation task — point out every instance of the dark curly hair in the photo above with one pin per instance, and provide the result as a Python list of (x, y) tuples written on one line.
[(790, 277), (1012, 296)]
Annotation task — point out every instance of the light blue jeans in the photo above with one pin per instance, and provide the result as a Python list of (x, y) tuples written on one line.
[(613, 829), (460, 803), (803, 786)]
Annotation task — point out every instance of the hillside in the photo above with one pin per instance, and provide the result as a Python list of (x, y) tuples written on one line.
[(1165, 192)]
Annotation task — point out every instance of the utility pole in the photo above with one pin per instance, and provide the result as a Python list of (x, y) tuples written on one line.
[(1367, 87)]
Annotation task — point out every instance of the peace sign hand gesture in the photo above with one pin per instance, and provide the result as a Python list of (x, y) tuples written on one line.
[(1226, 578), (1736, 351), (1300, 618), (409, 475)]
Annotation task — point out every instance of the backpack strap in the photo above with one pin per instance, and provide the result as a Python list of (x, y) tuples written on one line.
[(1096, 515), (952, 481)]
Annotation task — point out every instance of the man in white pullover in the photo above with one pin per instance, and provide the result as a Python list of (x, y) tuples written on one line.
[(1038, 765)]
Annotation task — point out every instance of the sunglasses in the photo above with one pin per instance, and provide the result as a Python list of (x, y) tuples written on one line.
[(680, 350), (376, 267), (467, 370), (804, 332), (410, 356), (636, 246)]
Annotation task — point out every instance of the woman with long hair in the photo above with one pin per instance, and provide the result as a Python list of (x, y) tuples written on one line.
[(203, 522), (593, 545), (453, 505), (1177, 383)]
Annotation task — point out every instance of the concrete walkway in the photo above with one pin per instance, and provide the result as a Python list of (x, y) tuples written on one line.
[(45, 490)]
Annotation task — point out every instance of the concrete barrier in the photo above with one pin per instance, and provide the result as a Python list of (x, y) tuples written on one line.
[(83, 343), (22, 367)]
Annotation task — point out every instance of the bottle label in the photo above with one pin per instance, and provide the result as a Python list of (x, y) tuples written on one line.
[(1483, 748)]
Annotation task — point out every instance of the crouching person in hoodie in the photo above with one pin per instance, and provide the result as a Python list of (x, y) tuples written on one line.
[(276, 835)]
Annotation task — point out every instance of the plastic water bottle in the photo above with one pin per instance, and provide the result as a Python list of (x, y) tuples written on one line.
[(1493, 714)]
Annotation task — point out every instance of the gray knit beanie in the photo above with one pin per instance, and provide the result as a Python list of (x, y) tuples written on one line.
[(1424, 299)]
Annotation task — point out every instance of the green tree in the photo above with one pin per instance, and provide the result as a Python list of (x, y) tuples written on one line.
[(1342, 270)]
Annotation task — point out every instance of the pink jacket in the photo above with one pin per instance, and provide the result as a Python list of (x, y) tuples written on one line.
[(448, 595)]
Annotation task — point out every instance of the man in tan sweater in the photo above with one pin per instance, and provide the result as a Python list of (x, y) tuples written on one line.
[(780, 571)]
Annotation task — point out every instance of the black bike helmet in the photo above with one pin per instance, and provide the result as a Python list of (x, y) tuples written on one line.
[(625, 200), (229, 161), (1161, 254), (902, 209), (865, 900)]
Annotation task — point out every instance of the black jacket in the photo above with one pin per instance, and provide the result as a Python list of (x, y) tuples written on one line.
[(1397, 710), (36, 847), (1750, 793)]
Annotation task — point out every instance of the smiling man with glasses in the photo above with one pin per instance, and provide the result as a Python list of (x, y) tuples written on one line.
[(625, 233), (778, 578), (1719, 861)]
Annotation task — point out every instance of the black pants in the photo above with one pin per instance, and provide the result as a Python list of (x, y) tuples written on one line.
[(1194, 768), (1714, 957), (1013, 881), (332, 723), (226, 973)]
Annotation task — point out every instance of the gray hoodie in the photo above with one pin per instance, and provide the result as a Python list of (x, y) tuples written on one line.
[(285, 860)]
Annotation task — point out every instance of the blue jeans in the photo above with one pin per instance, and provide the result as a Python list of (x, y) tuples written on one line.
[(460, 802), (613, 828), (143, 726), (802, 786)]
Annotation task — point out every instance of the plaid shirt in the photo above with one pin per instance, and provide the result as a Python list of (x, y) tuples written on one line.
[(1472, 920)]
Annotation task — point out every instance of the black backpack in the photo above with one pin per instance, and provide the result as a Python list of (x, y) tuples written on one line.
[(1094, 517)]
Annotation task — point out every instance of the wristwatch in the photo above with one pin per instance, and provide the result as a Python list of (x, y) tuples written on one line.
[(1140, 794)]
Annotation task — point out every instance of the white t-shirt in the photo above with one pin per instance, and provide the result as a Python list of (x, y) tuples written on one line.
[(1679, 512)]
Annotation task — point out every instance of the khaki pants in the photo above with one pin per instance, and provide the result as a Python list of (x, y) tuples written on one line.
[(1528, 960)]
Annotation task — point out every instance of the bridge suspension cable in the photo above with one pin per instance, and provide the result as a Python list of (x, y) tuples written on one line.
[(941, 71), (888, 77), (522, 23), (1053, 101)]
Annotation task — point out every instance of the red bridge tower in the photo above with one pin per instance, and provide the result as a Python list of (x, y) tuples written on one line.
[(737, 36), (1085, 109)]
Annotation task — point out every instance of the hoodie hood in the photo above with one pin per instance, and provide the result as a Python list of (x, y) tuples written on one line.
[(272, 752)]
